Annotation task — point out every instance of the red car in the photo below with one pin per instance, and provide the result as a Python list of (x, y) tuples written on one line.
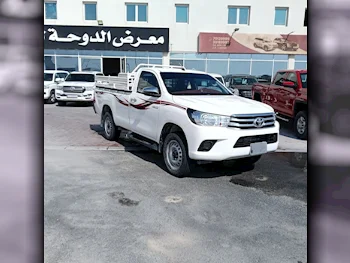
[(287, 94)]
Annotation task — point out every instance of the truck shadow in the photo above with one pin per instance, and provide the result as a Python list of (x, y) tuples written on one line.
[(210, 170), (203, 171)]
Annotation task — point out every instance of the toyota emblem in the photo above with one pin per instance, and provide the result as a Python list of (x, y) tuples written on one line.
[(258, 122), (72, 88)]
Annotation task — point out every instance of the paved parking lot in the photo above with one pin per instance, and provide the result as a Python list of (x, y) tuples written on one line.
[(122, 206)]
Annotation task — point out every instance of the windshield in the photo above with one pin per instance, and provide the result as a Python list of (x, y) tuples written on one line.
[(193, 84), (303, 77), (81, 77), (221, 79), (48, 76), (244, 81)]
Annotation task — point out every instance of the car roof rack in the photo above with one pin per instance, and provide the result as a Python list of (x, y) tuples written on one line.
[(157, 66)]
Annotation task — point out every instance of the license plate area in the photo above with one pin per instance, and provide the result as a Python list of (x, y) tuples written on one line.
[(258, 148), (72, 96)]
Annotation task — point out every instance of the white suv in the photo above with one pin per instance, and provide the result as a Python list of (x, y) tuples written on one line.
[(51, 80), (77, 87)]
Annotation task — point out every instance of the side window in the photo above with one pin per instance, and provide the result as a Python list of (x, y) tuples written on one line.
[(147, 79), (280, 77), (293, 78), (62, 75)]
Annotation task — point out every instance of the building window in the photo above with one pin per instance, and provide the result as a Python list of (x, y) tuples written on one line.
[(50, 10), (90, 11), (238, 15), (136, 12), (181, 13), (281, 16), (305, 18)]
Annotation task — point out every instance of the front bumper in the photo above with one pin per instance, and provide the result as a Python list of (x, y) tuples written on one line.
[(65, 96), (226, 139)]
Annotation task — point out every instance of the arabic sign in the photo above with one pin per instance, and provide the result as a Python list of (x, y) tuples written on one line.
[(106, 38), (252, 43)]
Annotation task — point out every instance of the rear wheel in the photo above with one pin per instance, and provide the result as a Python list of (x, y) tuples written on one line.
[(255, 45), (110, 131), (300, 125), (266, 48), (175, 155), (61, 103)]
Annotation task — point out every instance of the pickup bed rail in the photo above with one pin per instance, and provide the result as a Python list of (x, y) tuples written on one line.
[(125, 81)]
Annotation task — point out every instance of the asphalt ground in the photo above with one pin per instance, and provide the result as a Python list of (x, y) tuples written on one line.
[(122, 205)]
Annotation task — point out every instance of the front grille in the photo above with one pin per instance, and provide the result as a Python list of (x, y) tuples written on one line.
[(247, 140), (252, 121), (71, 89)]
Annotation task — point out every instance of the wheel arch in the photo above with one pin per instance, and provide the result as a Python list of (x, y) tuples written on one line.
[(300, 106), (168, 128)]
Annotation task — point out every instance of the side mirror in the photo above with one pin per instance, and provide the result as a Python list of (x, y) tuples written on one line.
[(288, 84), (151, 91), (58, 80)]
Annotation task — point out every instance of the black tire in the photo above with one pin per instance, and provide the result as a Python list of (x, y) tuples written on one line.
[(257, 97), (255, 45), (177, 142), (52, 98), (300, 125), (266, 48), (61, 103), (110, 131)]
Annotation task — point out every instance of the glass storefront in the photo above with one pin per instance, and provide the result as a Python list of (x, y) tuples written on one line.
[(254, 64)]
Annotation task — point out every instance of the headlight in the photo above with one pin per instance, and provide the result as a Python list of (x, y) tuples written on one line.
[(208, 119), (59, 87)]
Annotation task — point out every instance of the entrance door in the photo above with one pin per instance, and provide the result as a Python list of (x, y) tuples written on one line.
[(111, 66)]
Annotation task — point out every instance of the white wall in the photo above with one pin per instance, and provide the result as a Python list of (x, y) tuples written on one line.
[(204, 16)]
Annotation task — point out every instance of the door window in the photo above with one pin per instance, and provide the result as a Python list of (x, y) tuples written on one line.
[(147, 80), (293, 78), (62, 75), (280, 77)]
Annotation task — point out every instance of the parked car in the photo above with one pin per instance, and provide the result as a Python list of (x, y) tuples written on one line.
[(77, 87), (186, 115), (267, 78), (265, 44), (241, 84), (287, 95), (51, 80), (218, 77), (285, 44)]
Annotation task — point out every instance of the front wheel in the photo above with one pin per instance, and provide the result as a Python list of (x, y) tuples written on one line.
[(175, 155), (110, 131), (300, 125), (52, 98)]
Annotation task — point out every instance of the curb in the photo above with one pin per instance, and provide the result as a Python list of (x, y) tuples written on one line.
[(132, 149)]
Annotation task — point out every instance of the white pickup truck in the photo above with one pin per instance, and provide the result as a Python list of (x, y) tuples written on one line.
[(186, 115)]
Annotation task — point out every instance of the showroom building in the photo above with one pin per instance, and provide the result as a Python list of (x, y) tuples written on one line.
[(250, 37)]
